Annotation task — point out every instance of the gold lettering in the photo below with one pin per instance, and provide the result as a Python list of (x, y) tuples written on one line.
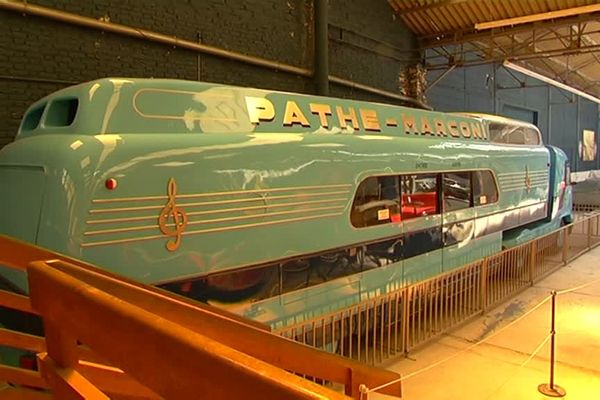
[(259, 109), (426, 126), (370, 120), (349, 117), (322, 110), (483, 132), (453, 129), (464, 127), (409, 123), (293, 115), (440, 127), (477, 131)]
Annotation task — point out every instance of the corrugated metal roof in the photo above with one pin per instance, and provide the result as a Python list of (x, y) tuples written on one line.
[(427, 18), (566, 48)]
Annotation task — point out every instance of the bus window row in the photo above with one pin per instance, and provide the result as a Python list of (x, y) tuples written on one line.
[(388, 199)]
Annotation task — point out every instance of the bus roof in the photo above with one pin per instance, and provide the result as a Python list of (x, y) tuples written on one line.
[(496, 118), (126, 105)]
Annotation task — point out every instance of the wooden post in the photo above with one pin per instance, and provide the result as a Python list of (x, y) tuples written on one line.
[(589, 233), (483, 284), (405, 320), (532, 260), (565, 249)]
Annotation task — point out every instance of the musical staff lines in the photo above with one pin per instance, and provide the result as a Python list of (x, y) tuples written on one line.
[(111, 223)]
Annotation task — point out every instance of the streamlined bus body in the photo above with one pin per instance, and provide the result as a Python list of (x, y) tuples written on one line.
[(279, 206)]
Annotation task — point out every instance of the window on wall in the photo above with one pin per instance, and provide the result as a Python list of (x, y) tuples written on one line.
[(377, 202), (520, 113), (484, 188), (457, 191), (419, 195)]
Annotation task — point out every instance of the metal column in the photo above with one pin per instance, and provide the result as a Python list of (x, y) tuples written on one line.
[(321, 46)]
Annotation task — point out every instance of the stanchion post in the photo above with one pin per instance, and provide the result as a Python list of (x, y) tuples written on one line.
[(551, 389), (364, 392)]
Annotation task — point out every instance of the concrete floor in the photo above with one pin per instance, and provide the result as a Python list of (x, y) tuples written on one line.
[(502, 366)]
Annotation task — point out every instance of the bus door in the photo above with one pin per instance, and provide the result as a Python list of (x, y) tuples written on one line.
[(420, 213), (458, 219)]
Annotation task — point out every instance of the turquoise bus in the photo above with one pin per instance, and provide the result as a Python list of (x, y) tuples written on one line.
[(278, 206)]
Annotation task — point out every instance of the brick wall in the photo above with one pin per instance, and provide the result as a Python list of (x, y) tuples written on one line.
[(368, 44), (39, 56)]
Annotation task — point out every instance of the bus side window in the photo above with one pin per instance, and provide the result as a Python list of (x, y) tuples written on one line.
[(499, 132), (484, 188), (457, 191), (532, 136), (514, 134), (419, 195), (517, 136), (377, 202)]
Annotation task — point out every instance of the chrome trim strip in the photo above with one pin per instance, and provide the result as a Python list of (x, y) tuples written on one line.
[(532, 185), (522, 182), (523, 188), (219, 211), (522, 178), (512, 178), (537, 171), (236, 192), (144, 238), (181, 205), (209, 221)]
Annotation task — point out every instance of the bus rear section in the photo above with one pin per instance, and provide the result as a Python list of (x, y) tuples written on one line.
[(22, 198)]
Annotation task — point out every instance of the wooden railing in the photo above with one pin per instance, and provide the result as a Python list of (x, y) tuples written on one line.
[(397, 322), (110, 336), (106, 336)]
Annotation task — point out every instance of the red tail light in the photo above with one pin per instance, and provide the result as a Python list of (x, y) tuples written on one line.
[(111, 183)]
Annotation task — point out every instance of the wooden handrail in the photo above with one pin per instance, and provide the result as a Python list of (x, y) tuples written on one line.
[(169, 359), (21, 376), (21, 393), (255, 342), (229, 329), (21, 340), (16, 301), (18, 255)]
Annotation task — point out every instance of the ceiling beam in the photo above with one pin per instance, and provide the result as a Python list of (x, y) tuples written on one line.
[(413, 10), (470, 35), (567, 12), (550, 81)]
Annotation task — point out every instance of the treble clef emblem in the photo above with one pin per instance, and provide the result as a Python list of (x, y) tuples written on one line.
[(172, 219)]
